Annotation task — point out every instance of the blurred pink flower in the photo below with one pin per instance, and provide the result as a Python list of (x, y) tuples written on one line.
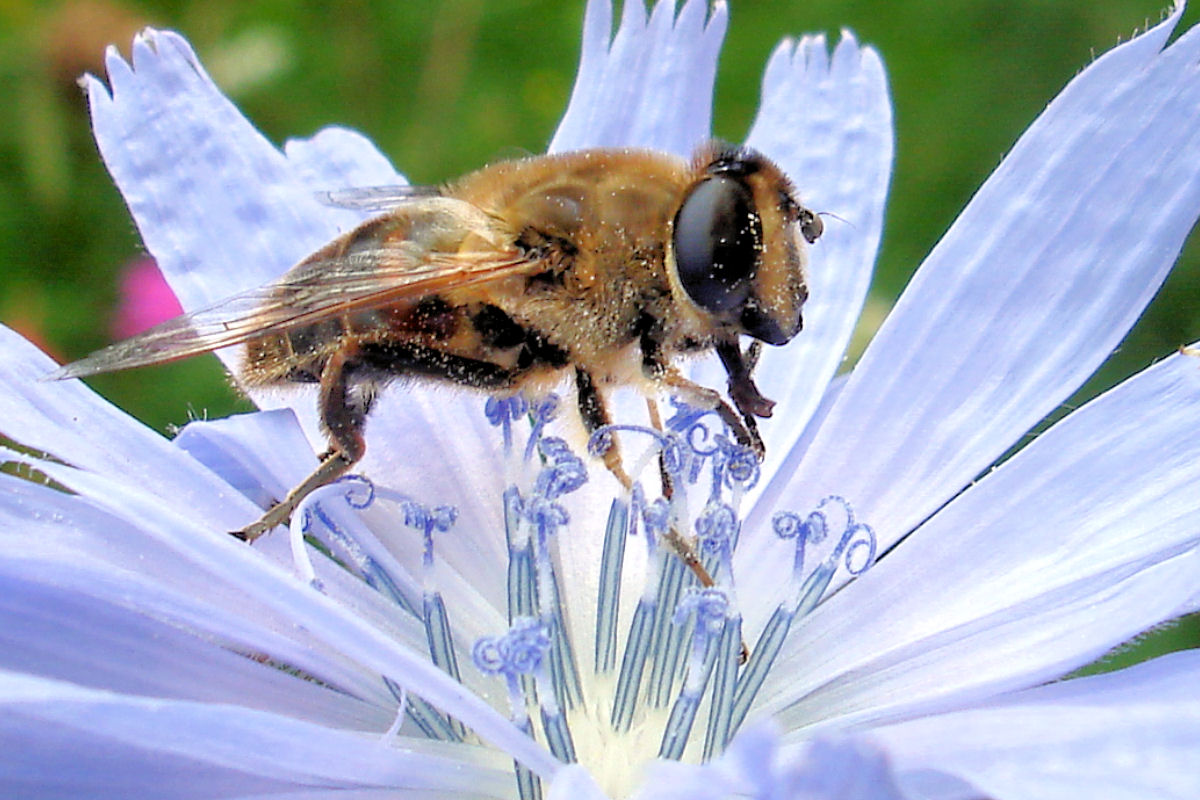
[(146, 300)]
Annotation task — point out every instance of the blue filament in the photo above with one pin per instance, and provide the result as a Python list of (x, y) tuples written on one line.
[(386, 578), (665, 643), (810, 588), (708, 608), (522, 651), (637, 648), (608, 600), (667, 634), (724, 686), (437, 625), (682, 648), (353, 551)]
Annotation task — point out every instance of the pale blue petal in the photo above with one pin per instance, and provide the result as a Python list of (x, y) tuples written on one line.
[(62, 633), (75, 425), (573, 782), (340, 158), (1084, 539), (1125, 735), (343, 637), (262, 455), (1034, 285), (754, 765), (143, 565), (146, 564), (827, 121), (217, 204), (649, 86), (68, 741)]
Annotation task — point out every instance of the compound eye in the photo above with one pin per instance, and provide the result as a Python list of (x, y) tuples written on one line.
[(718, 239)]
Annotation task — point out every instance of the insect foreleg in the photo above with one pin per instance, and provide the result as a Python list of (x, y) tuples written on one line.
[(740, 369), (742, 425), (333, 465)]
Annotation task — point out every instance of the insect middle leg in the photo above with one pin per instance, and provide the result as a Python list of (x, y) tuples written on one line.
[(343, 415), (741, 425), (595, 415), (683, 548)]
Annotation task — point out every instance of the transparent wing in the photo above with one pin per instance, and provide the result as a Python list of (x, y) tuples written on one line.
[(376, 198), (367, 268)]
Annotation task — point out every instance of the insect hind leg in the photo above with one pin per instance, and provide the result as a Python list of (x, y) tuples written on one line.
[(348, 388), (594, 413), (344, 407), (333, 465)]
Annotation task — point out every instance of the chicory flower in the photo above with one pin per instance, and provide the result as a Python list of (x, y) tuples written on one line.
[(482, 613)]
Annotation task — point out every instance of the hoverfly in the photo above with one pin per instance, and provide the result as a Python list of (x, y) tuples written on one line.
[(604, 265)]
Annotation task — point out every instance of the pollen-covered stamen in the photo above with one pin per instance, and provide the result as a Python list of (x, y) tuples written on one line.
[(338, 527), (522, 600), (709, 609), (433, 608), (541, 411), (547, 517), (564, 471), (330, 517), (668, 448), (716, 533), (510, 656), (717, 530), (855, 548), (428, 519), (656, 648), (734, 466), (523, 651), (562, 474), (608, 598), (503, 412), (701, 450), (533, 517), (655, 519)]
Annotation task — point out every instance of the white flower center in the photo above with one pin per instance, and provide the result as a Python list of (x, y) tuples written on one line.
[(676, 681)]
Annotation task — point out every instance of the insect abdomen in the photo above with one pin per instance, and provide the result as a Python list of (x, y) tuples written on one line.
[(477, 345)]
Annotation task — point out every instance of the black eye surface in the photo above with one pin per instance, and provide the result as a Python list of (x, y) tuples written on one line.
[(717, 238)]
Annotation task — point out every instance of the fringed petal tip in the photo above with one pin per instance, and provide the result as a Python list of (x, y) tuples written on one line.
[(1031, 248), (648, 85), (217, 204)]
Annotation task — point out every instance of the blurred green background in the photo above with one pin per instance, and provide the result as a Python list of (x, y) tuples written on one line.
[(443, 87)]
